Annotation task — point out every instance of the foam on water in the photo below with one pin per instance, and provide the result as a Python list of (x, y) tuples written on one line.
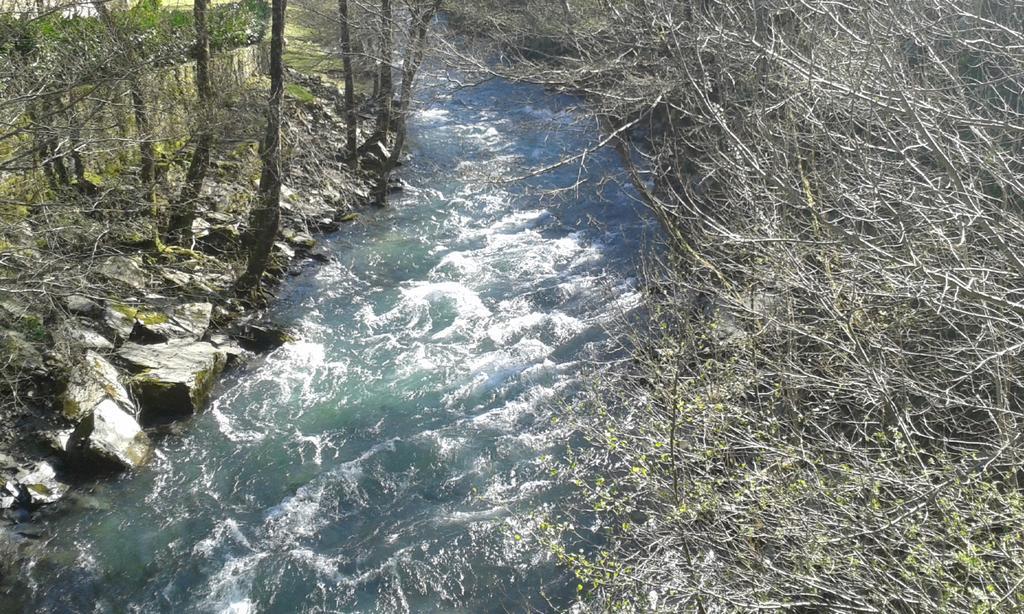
[(385, 460)]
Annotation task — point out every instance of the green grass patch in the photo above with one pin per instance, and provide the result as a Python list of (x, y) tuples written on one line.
[(299, 93)]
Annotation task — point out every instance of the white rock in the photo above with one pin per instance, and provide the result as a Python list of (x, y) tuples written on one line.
[(115, 436), (91, 382)]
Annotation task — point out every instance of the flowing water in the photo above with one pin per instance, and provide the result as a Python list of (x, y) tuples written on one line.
[(386, 460)]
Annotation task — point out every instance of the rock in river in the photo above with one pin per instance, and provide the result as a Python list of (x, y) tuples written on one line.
[(35, 486), (110, 434), (106, 430), (173, 378)]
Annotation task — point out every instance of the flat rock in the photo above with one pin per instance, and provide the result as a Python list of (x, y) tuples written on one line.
[(126, 270), (173, 378), (189, 322), (83, 306), (91, 382), (78, 335)]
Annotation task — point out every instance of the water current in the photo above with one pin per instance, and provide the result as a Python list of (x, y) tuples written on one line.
[(385, 460)]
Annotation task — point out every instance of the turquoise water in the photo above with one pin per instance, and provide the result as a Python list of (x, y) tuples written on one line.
[(386, 460)]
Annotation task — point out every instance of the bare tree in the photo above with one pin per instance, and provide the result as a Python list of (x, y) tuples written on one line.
[(143, 124), (351, 117), (385, 79), (266, 214), (826, 411), (180, 224), (416, 45)]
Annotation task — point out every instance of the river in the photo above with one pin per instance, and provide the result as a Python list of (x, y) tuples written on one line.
[(386, 460)]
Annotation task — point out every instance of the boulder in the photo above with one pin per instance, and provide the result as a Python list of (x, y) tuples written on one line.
[(320, 256), (189, 321), (126, 270), (7, 461), (229, 346), (374, 153), (262, 338), (14, 495), (119, 320), (19, 355), (220, 238), (112, 436), (78, 335), (298, 239), (176, 278), (39, 484), (106, 433), (12, 308), (325, 224), (18, 233), (57, 440), (173, 378), (83, 306), (204, 282), (89, 384), (285, 250)]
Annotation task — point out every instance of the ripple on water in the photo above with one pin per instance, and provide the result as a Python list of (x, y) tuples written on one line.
[(386, 459)]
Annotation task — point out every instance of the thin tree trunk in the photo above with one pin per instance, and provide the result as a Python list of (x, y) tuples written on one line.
[(386, 88), (147, 167), (180, 226), (47, 148), (266, 215), (351, 119), (414, 52)]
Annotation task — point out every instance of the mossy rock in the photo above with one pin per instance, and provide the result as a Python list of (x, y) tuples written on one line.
[(90, 383), (111, 438), (21, 354), (150, 318), (174, 378), (188, 321)]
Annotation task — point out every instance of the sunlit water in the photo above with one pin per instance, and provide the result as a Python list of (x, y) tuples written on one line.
[(386, 460)]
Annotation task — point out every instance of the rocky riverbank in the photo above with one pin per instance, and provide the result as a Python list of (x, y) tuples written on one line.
[(105, 350)]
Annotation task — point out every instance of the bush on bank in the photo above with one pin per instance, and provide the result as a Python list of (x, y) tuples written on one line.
[(826, 413), (160, 36)]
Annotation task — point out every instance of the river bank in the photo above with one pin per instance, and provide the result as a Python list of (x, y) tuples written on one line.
[(394, 454), (132, 338)]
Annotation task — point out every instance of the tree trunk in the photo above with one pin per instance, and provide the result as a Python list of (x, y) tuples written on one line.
[(180, 226), (414, 52), (266, 215), (386, 88), (351, 120)]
